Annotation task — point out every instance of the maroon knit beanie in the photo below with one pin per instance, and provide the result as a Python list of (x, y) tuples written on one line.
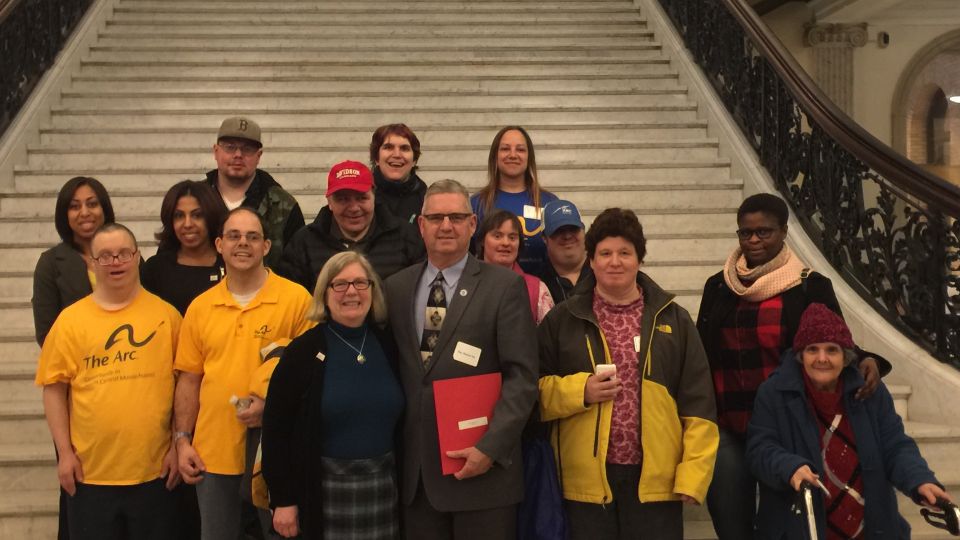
[(820, 325)]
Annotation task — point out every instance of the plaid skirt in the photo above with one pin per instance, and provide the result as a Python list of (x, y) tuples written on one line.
[(360, 498)]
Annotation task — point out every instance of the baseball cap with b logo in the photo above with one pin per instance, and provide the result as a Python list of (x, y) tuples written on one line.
[(558, 214), (240, 127), (351, 175)]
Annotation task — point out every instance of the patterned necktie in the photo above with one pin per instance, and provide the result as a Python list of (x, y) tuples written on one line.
[(436, 311)]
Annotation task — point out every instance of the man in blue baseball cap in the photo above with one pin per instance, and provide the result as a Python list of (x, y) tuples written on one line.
[(566, 252)]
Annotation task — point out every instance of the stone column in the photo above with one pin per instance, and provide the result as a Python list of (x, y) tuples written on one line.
[(833, 46)]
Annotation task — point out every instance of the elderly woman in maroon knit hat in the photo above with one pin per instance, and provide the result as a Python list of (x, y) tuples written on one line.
[(808, 426)]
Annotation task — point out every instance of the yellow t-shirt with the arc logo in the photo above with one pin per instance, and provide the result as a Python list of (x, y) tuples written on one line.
[(119, 365), (223, 341)]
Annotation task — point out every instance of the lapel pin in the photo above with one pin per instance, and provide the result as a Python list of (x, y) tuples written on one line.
[(463, 292)]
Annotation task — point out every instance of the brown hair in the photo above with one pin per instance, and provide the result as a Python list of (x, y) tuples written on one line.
[(210, 204), (493, 221), (489, 192), (400, 130), (614, 222)]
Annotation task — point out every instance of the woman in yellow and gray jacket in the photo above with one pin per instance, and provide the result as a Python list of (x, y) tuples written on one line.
[(638, 436)]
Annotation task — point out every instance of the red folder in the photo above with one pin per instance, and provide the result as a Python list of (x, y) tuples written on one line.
[(464, 409)]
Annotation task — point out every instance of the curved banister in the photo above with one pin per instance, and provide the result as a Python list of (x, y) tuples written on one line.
[(890, 228), (880, 157)]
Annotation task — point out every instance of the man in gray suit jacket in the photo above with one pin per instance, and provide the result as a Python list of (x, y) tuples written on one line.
[(486, 328)]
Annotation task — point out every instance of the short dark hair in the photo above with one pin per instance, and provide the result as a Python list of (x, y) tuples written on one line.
[(210, 204), (63, 205), (383, 132), (237, 210), (617, 222), (113, 227), (492, 222), (766, 203)]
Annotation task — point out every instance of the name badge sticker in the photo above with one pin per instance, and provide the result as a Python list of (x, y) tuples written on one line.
[(467, 354), (532, 212), (636, 343), (472, 423)]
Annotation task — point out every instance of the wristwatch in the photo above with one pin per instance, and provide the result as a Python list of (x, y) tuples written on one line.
[(183, 434)]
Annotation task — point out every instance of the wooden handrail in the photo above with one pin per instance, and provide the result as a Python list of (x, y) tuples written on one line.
[(907, 178)]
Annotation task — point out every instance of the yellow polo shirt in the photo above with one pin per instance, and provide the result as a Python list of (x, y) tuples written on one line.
[(119, 365), (222, 341)]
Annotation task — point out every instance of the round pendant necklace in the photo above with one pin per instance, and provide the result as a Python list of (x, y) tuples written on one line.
[(360, 357)]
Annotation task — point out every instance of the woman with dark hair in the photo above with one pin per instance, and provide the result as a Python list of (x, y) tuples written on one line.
[(809, 426), (500, 244), (748, 316), (186, 263), (513, 185), (625, 384), (64, 273), (332, 411), (394, 152)]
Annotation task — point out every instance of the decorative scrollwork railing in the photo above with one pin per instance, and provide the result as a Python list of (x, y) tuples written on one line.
[(32, 32), (889, 227)]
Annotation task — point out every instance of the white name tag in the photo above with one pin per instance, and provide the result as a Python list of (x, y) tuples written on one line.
[(532, 212), (467, 354), (321, 357), (472, 423), (636, 343)]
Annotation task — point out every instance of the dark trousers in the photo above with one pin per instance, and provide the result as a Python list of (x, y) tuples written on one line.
[(423, 522), (732, 498), (139, 512), (625, 518)]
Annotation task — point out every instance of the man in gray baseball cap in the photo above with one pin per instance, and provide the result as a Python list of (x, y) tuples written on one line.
[(566, 251), (240, 183)]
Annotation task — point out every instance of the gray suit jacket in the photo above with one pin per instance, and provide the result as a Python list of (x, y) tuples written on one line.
[(489, 310)]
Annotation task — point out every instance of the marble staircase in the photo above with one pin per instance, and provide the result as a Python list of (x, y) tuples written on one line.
[(599, 93)]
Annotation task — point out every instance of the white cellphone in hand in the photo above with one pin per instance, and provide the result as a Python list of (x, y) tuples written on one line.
[(605, 371)]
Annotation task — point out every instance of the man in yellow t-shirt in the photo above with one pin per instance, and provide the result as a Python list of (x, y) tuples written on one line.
[(107, 374), (227, 332)]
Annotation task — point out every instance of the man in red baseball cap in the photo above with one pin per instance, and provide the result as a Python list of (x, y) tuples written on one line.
[(351, 220)]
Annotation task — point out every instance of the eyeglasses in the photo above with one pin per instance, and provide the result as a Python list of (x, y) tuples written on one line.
[(358, 284), (235, 236), (455, 218), (762, 233), (106, 259), (245, 149)]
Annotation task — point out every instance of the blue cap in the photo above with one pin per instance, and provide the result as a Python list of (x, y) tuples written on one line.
[(558, 214)]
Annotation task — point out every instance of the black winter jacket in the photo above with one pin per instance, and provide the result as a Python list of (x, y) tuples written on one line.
[(390, 245), (403, 199)]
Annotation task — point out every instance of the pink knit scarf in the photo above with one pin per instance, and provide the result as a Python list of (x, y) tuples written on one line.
[(765, 281)]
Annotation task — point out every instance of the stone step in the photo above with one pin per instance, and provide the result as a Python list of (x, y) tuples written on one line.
[(14, 314), (901, 396), (307, 156), (408, 18), (23, 420), (240, 32), (717, 171), (361, 42), (29, 515), (95, 118), (27, 466), (193, 6), (411, 86), (16, 286), (359, 137), (371, 69)]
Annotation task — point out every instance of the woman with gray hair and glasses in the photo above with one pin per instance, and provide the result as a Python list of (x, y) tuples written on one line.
[(332, 411)]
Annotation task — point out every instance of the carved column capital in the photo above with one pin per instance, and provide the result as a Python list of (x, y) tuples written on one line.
[(835, 35)]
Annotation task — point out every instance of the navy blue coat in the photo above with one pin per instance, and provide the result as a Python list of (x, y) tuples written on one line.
[(783, 436)]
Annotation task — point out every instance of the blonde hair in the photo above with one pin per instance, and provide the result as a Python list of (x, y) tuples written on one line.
[(318, 308)]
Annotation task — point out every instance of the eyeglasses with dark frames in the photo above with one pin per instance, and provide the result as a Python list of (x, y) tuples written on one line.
[(358, 284)]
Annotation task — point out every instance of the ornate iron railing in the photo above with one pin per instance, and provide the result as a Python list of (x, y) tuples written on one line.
[(32, 32), (889, 227)]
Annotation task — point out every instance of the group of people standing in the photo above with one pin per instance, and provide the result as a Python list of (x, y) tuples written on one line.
[(254, 347)]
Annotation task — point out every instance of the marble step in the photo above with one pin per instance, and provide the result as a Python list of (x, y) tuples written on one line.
[(27, 466), (410, 86), (30, 180), (359, 136), (308, 156), (372, 100), (29, 515), (216, 6), (95, 118), (361, 42), (240, 32), (14, 314), (163, 17), (374, 68)]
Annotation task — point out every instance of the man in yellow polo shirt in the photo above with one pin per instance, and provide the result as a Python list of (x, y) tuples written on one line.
[(226, 332), (107, 374)]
